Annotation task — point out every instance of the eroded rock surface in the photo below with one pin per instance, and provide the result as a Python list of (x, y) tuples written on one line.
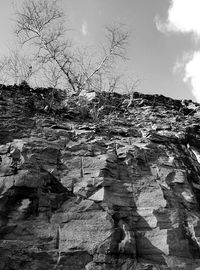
[(117, 190)]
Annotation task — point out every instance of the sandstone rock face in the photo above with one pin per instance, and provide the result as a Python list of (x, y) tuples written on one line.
[(118, 191)]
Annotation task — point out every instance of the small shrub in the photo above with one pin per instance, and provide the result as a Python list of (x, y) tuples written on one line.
[(24, 84)]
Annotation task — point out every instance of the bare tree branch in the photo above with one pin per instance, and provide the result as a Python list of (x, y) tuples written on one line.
[(40, 23), (17, 67), (117, 41)]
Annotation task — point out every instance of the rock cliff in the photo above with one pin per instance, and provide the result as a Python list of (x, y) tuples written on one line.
[(107, 184)]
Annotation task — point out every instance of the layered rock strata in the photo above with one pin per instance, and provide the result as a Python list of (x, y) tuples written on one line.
[(114, 186)]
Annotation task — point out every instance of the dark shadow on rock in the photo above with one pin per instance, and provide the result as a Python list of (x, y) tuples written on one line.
[(180, 240), (127, 214), (23, 202)]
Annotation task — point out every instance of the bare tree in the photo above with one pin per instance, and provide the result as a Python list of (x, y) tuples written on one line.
[(41, 23), (16, 67), (114, 83), (131, 86), (53, 76), (3, 76), (98, 67), (115, 49)]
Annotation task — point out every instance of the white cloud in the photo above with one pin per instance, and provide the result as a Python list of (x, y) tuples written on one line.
[(192, 74), (183, 17), (180, 64), (165, 28), (84, 28)]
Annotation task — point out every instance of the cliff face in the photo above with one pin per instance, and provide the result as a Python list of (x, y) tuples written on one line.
[(107, 185)]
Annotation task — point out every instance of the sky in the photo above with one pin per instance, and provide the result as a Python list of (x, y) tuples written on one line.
[(164, 44)]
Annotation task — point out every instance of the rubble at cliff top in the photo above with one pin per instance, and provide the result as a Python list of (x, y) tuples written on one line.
[(106, 183)]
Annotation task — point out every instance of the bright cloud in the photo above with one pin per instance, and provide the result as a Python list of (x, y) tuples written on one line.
[(192, 74), (84, 28), (183, 17)]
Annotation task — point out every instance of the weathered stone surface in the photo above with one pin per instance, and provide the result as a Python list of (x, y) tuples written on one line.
[(115, 192)]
